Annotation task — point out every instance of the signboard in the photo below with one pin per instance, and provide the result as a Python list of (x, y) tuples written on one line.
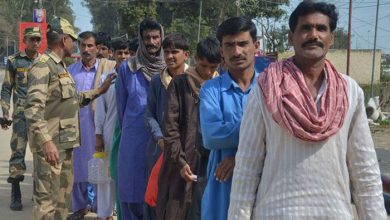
[(24, 25), (39, 15)]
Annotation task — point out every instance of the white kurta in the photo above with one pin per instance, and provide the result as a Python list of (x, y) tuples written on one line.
[(105, 119), (106, 115), (278, 176)]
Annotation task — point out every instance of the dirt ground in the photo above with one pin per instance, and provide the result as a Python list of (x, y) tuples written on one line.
[(381, 136)]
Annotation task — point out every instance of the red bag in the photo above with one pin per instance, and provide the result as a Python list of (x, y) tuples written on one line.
[(152, 187)]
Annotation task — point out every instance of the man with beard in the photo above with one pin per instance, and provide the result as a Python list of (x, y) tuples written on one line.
[(86, 73), (132, 88), (52, 113), (305, 148), (15, 84)]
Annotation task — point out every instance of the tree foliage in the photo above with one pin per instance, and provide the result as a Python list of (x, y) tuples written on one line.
[(178, 16), (340, 39), (14, 11)]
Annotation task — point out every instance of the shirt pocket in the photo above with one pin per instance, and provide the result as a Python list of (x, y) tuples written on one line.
[(21, 75), (67, 87), (68, 130)]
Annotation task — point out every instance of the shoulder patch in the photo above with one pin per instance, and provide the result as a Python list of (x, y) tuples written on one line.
[(12, 58), (43, 58)]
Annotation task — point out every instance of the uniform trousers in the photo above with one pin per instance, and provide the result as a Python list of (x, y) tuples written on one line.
[(52, 186), (17, 165)]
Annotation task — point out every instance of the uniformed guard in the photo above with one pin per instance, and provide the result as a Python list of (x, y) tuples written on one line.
[(52, 113), (15, 84)]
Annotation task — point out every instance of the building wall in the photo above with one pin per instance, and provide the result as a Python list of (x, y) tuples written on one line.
[(360, 66)]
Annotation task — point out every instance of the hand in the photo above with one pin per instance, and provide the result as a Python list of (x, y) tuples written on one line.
[(107, 83), (4, 124), (50, 153), (186, 173), (161, 143), (99, 145), (225, 169)]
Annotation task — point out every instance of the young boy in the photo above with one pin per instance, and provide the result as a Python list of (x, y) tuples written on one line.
[(176, 53), (183, 173)]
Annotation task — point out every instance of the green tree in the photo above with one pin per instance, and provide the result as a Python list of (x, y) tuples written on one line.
[(276, 39), (13, 12), (181, 15), (105, 16), (340, 39), (132, 13)]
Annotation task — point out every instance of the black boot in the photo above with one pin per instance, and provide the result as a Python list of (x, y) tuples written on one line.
[(16, 197)]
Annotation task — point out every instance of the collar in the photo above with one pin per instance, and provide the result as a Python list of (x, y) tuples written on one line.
[(23, 53), (228, 82), (323, 87), (54, 56), (95, 66)]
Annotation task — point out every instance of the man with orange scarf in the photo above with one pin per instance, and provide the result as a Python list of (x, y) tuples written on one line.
[(305, 146)]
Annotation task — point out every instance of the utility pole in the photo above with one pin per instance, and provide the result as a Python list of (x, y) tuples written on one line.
[(238, 7), (200, 19), (7, 46), (373, 54), (349, 36), (14, 46)]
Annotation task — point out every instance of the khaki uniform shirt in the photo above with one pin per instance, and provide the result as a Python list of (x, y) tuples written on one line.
[(52, 104)]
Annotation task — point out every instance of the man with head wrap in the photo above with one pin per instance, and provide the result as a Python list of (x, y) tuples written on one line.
[(132, 89)]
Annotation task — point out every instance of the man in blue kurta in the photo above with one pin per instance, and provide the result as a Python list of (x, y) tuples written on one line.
[(132, 88), (86, 74), (223, 100)]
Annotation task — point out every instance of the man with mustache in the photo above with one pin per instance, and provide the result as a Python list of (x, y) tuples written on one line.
[(131, 97), (86, 73), (15, 84), (52, 114), (305, 149), (222, 101)]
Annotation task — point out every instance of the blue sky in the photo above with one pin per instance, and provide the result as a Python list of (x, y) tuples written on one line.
[(363, 21), (83, 16)]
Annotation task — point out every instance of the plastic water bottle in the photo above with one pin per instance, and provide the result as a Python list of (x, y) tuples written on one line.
[(98, 169)]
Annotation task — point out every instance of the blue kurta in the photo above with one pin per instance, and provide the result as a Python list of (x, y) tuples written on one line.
[(84, 80), (131, 95), (221, 107)]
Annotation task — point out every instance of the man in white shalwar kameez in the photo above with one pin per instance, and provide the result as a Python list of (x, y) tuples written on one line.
[(305, 146)]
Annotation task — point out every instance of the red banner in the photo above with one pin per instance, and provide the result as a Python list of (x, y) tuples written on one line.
[(24, 25)]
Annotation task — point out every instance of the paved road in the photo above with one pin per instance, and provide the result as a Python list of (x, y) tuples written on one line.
[(26, 185), (5, 188)]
